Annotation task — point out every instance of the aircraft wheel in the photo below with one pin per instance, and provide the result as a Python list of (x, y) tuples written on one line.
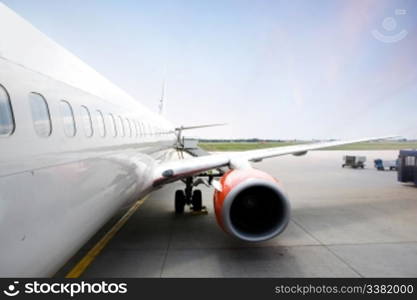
[(179, 201), (197, 200)]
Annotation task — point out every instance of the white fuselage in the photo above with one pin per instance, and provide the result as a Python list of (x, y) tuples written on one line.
[(57, 190)]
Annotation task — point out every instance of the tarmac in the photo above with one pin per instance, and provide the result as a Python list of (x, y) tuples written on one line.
[(345, 223)]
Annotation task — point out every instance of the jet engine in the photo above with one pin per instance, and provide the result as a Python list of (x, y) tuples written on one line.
[(251, 205)]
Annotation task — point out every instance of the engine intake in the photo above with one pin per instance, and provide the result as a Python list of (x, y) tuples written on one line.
[(251, 205)]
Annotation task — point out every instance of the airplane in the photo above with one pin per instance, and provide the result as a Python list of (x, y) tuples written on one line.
[(75, 149)]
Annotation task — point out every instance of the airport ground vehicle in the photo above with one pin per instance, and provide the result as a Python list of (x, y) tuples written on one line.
[(382, 165), (354, 161), (407, 167)]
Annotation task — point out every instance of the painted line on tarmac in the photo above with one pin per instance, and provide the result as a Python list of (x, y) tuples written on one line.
[(83, 264)]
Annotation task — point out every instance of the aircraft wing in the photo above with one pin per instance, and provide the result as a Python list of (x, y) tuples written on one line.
[(175, 170)]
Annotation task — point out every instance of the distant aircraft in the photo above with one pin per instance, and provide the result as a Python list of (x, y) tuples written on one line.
[(75, 149)]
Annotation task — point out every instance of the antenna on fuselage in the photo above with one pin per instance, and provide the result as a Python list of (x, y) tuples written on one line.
[(162, 99)]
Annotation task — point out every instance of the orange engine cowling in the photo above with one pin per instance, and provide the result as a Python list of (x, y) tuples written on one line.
[(251, 205)]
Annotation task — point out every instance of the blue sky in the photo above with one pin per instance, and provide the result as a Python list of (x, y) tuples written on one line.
[(271, 69)]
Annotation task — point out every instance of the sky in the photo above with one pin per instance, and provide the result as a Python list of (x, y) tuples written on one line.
[(269, 69)]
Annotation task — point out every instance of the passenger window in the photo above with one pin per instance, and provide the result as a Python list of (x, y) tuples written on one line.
[(67, 116), (129, 128), (113, 130), (121, 126), (144, 133), (140, 128), (6, 113), (101, 124), (136, 128), (87, 122), (40, 115)]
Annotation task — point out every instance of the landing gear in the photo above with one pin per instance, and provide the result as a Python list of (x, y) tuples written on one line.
[(195, 201), (191, 196), (179, 201)]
